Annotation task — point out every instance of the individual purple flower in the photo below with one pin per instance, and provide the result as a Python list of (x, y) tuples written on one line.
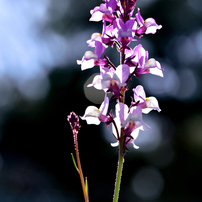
[(94, 37), (123, 31), (152, 66), (136, 56), (146, 103), (139, 64), (104, 12), (93, 115), (111, 80), (73, 120), (148, 26), (130, 121), (108, 38), (90, 59)]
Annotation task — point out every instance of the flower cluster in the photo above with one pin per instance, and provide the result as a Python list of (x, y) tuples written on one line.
[(120, 28)]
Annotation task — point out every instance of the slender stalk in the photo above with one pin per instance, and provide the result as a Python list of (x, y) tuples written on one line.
[(80, 169), (118, 178), (122, 56), (120, 167), (110, 63), (121, 148)]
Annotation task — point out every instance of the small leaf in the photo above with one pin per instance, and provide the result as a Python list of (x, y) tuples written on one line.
[(74, 162), (86, 182)]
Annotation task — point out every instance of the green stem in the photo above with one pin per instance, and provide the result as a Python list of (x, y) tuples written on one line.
[(121, 143), (118, 178), (120, 167)]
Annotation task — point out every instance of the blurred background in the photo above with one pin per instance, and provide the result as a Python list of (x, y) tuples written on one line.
[(40, 84)]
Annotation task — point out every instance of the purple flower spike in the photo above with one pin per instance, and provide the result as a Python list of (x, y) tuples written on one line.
[(119, 29), (73, 120)]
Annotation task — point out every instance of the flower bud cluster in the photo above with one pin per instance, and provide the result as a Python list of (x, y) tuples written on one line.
[(73, 120), (120, 28)]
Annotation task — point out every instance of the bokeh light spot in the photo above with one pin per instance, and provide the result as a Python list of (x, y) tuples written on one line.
[(186, 50), (150, 139), (191, 133), (148, 183), (91, 93), (188, 85), (36, 88), (196, 4), (163, 87)]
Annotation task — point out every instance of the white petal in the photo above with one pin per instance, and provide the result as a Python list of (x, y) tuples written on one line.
[(92, 111), (134, 134), (104, 106), (91, 115), (139, 94), (115, 144), (152, 103), (156, 71), (90, 55), (92, 120), (135, 146), (146, 110), (123, 72), (96, 82), (87, 64), (154, 67), (97, 16), (121, 111)]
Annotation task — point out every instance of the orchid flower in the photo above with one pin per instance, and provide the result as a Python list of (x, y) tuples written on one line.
[(112, 80), (137, 59), (94, 37), (108, 37), (93, 115), (104, 12), (131, 121), (124, 31), (90, 59), (148, 26), (147, 104)]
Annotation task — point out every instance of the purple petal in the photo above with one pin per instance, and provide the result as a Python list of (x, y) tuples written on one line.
[(139, 18), (123, 72), (99, 48)]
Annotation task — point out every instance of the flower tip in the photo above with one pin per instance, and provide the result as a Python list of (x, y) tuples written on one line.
[(135, 146), (114, 144), (78, 62), (73, 120)]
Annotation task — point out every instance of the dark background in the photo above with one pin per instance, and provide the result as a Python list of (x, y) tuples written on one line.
[(35, 138)]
